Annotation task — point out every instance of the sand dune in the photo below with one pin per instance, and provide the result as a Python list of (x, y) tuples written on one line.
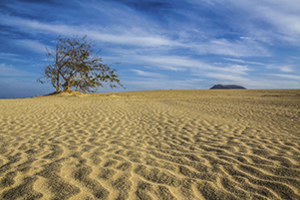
[(179, 144)]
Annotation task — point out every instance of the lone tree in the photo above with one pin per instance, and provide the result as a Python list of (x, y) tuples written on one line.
[(74, 64)]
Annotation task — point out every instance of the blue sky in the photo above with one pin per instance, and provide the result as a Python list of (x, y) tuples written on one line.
[(174, 44)]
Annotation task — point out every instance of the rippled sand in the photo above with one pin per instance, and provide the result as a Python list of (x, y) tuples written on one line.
[(181, 144)]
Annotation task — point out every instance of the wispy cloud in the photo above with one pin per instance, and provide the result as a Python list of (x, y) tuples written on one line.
[(139, 37), (288, 76), (148, 74), (33, 45), (168, 62), (286, 69), (113, 35), (179, 63), (236, 69), (164, 84), (11, 56), (268, 20), (8, 70), (236, 48), (227, 78), (244, 61)]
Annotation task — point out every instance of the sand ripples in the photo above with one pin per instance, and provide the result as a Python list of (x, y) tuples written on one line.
[(151, 145)]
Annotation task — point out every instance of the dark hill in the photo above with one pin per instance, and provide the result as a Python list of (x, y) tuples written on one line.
[(219, 86)]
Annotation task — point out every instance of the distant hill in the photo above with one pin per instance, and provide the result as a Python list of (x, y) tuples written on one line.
[(219, 86)]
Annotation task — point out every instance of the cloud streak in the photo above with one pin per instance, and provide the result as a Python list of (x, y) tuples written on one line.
[(13, 71), (139, 38), (33, 45), (148, 74)]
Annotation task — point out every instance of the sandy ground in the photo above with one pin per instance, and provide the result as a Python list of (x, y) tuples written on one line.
[(181, 144)]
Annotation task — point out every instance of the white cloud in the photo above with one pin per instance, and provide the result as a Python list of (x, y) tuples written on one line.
[(163, 84), (176, 63), (284, 15), (180, 63), (33, 45), (229, 78), (286, 69), (12, 71), (243, 61), (236, 69), (269, 20), (282, 68), (132, 39), (139, 37), (11, 56), (238, 48), (265, 21), (288, 76), (113, 35), (148, 74), (168, 62), (295, 57)]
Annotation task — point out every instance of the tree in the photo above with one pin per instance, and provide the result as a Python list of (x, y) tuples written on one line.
[(74, 64)]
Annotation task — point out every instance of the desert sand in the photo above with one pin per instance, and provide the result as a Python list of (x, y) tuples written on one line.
[(172, 144)]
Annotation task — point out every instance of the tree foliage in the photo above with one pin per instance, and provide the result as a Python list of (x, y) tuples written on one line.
[(75, 65)]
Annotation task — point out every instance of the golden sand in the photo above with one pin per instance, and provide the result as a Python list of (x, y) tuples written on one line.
[(177, 144)]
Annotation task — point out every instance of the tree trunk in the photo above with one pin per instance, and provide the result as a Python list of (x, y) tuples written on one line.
[(56, 86), (57, 83), (79, 84), (66, 89)]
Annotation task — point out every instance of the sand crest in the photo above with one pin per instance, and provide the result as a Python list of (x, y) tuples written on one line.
[(179, 144)]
